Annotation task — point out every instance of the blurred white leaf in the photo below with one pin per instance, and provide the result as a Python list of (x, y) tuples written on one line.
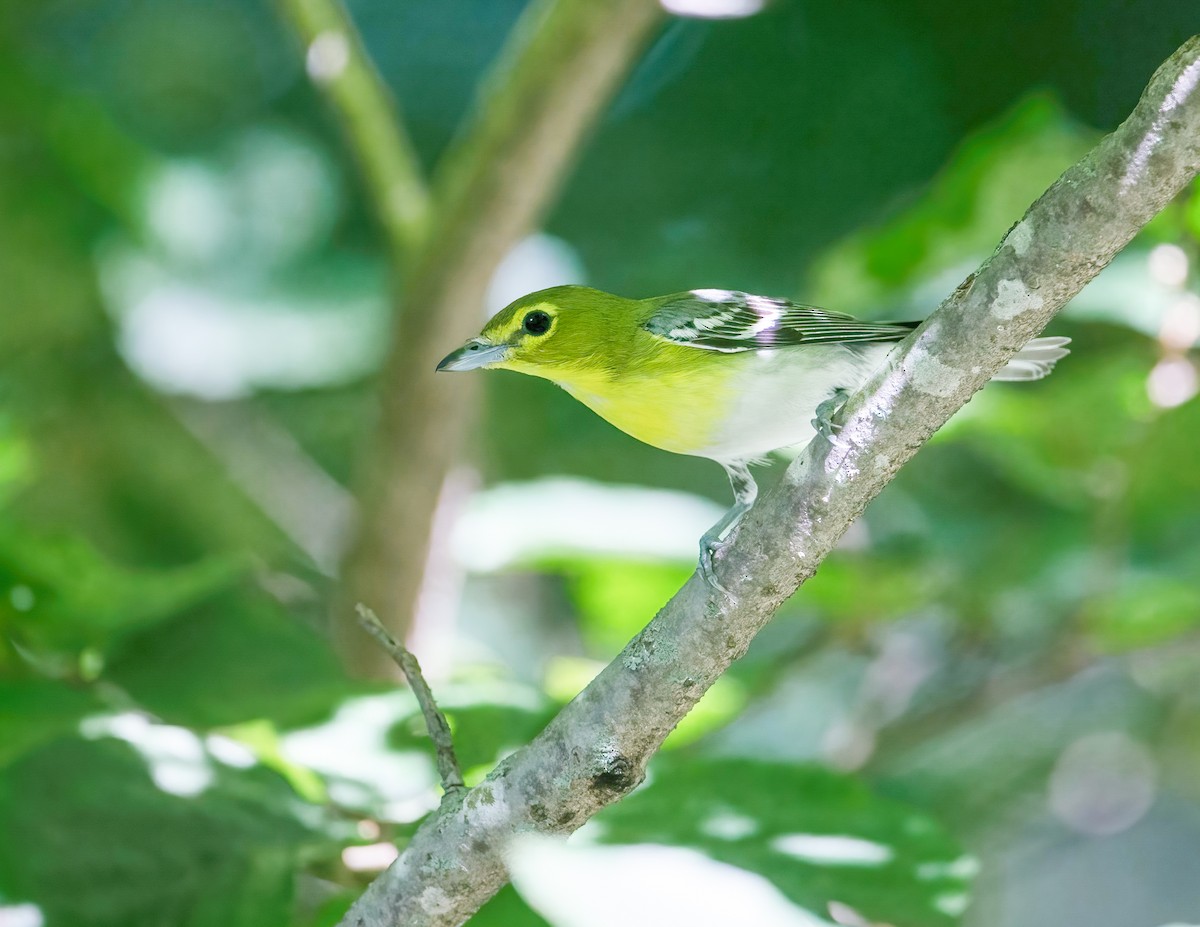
[(645, 885), (518, 522)]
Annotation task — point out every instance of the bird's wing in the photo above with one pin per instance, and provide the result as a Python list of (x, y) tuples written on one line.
[(726, 320)]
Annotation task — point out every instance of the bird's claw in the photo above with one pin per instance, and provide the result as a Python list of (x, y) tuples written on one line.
[(823, 424), (708, 550)]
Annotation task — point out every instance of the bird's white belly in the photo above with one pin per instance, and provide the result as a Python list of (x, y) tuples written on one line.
[(778, 394)]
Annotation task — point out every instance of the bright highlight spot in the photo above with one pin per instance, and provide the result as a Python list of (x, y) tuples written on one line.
[(352, 752), (846, 916), (22, 597), (1172, 382), (374, 857), (952, 904), (535, 263), (713, 9), (1181, 323), (833, 850), (963, 868), (327, 56), (185, 340), (198, 307), (228, 751), (1168, 264), (728, 825), (1178, 94), (176, 757), (187, 210), (1103, 783), (21, 915), (519, 522), (599, 886), (368, 829), (714, 296)]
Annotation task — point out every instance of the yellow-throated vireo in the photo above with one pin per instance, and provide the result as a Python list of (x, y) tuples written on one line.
[(711, 373)]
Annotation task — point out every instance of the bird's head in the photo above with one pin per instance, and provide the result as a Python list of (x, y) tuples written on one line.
[(557, 333)]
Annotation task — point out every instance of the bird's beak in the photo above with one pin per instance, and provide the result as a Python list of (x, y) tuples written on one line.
[(474, 354)]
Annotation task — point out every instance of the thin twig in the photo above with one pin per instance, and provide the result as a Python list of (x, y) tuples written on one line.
[(435, 721)]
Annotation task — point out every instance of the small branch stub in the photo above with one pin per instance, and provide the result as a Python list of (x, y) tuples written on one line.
[(435, 721)]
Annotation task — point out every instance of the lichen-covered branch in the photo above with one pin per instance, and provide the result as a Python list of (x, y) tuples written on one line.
[(561, 66), (375, 133), (595, 751)]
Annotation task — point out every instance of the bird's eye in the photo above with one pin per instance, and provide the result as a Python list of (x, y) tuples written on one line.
[(537, 322)]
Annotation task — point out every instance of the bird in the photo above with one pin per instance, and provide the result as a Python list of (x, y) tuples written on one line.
[(711, 373)]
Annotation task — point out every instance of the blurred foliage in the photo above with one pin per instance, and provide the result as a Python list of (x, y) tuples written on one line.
[(999, 664), (66, 597), (86, 856), (818, 836)]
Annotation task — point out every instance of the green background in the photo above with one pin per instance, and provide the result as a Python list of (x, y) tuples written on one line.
[(993, 679)]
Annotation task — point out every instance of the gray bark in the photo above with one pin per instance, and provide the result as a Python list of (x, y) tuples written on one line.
[(597, 748)]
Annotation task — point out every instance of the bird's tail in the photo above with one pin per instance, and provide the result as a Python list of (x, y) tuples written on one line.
[(1035, 360)]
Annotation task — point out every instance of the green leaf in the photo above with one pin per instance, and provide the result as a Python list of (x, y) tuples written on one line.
[(483, 732), (979, 194), (1164, 486), (862, 587), (110, 849), (507, 909), (616, 598), (329, 913), (819, 836), (721, 703), (60, 594), (33, 711), (1191, 207), (233, 659), (16, 459), (1144, 611)]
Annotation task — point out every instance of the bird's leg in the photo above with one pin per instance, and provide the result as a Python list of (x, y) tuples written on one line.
[(823, 423), (745, 491)]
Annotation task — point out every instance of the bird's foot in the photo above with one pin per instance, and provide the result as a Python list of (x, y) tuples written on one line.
[(824, 424), (715, 538), (710, 544)]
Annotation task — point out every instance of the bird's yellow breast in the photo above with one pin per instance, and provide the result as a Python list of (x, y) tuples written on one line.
[(678, 410)]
